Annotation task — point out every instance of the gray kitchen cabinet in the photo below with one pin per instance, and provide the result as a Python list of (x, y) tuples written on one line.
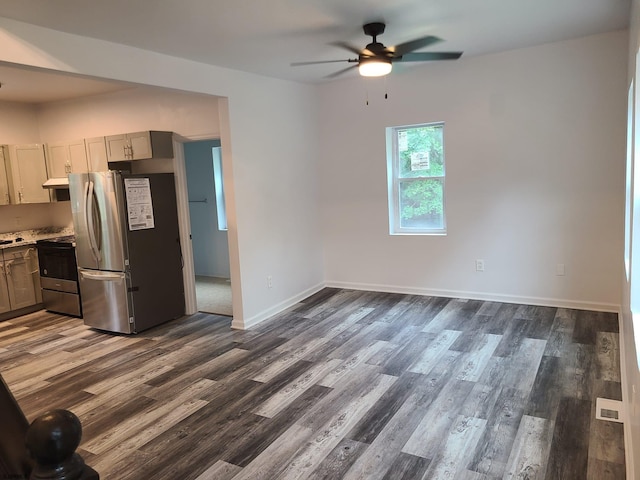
[(64, 158), (22, 276), (28, 172), (139, 146), (96, 151), (4, 178), (5, 304)]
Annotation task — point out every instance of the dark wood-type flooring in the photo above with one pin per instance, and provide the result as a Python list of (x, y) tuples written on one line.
[(346, 384)]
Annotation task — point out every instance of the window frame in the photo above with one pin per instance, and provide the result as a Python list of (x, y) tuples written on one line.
[(394, 181)]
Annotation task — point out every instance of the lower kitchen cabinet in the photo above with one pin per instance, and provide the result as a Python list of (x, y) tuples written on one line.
[(19, 278)]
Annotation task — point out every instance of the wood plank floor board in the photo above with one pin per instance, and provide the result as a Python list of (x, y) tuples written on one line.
[(607, 356), (601, 470), (251, 445), (346, 384), (579, 371), (220, 470), (474, 361), (430, 355), (541, 322), (501, 319), (407, 467), (294, 387), (498, 437), (449, 317), (481, 401), (384, 308), (524, 364), (405, 356), (530, 451), (515, 332), (338, 461), (49, 397), (465, 310), (428, 437), (373, 422), (330, 433), (569, 452), (602, 444), (457, 450), (375, 461), (561, 334)]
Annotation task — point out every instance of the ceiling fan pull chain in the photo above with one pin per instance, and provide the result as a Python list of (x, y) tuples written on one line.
[(385, 88), (366, 95)]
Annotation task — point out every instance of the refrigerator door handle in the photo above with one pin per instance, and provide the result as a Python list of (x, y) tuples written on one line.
[(89, 219), (101, 276)]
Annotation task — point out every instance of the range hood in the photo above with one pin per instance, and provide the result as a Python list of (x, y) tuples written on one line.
[(62, 182)]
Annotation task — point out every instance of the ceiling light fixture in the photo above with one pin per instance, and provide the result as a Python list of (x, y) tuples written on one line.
[(377, 67)]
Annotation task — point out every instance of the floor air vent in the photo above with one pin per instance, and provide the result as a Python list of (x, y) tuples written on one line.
[(609, 410)]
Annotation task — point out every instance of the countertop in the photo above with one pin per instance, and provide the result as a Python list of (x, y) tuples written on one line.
[(29, 237)]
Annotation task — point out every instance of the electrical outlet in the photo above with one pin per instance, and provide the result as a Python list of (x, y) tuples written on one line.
[(479, 265), (269, 281), (560, 271)]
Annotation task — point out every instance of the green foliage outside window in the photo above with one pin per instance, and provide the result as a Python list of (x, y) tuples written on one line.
[(421, 181)]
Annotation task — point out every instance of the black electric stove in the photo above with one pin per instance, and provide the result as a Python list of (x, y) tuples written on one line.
[(59, 275)]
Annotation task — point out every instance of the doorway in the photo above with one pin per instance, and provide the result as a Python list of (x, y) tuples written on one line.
[(208, 226)]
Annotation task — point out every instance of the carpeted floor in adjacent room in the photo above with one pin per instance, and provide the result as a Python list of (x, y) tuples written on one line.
[(214, 295)]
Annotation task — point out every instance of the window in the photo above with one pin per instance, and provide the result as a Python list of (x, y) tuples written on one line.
[(415, 166), (221, 210)]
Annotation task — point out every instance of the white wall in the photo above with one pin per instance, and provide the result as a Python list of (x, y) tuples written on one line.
[(136, 109), (18, 123), (534, 145), (271, 196)]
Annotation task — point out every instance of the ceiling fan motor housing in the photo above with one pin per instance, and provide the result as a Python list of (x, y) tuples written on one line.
[(374, 29)]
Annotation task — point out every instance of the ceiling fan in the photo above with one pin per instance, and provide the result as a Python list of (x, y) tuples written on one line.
[(376, 60)]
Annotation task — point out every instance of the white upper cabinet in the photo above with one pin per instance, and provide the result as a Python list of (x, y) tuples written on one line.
[(28, 173), (139, 146), (4, 179), (96, 150), (64, 158)]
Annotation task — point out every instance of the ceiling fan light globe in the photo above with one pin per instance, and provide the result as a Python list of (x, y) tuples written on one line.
[(374, 68)]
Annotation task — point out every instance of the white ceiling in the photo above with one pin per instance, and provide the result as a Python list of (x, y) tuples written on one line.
[(265, 36), (30, 85)]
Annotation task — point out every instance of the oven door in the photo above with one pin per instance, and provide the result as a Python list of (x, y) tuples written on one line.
[(57, 261)]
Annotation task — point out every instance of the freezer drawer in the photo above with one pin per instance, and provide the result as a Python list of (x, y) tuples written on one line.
[(61, 302), (105, 300)]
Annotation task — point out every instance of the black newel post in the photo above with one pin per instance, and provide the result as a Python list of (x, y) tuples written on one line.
[(52, 439)]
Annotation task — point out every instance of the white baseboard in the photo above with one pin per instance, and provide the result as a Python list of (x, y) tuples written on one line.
[(270, 312), (490, 297)]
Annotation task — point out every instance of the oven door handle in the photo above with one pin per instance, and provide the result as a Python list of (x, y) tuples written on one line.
[(89, 220), (104, 276)]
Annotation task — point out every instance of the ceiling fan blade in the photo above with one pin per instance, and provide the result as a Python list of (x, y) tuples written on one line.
[(300, 64), (347, 46), (404, 48), (340, 72), (428, 56)]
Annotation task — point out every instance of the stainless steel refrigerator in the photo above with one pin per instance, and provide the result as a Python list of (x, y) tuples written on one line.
[(127, 249)]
